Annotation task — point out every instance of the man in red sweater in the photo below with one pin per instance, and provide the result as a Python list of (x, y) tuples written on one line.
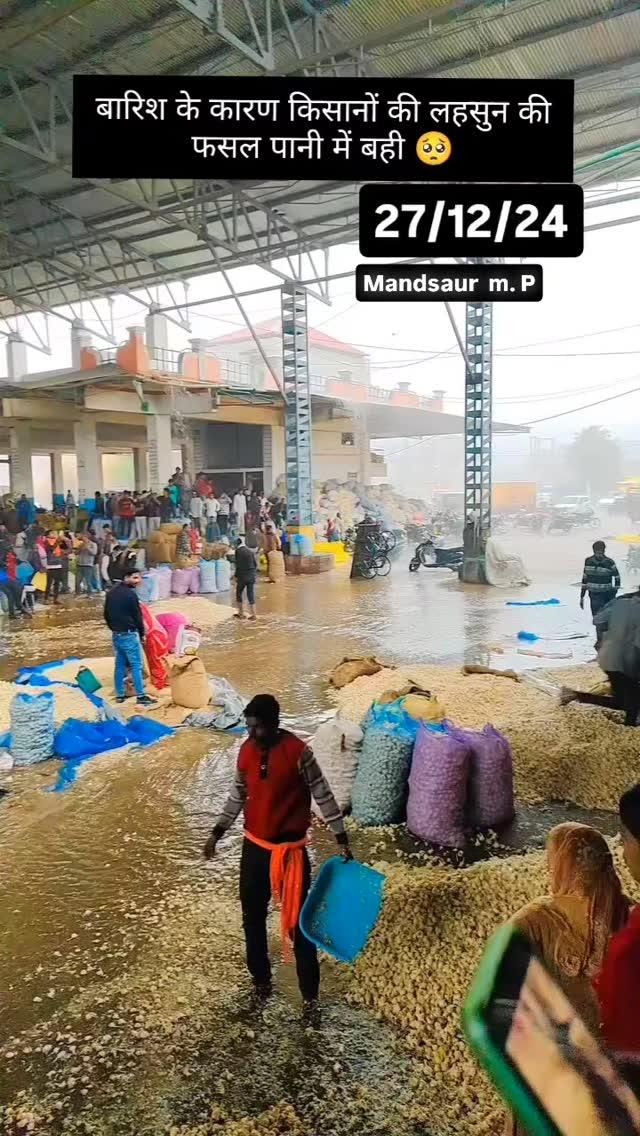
[(276, 776), (618, 983)]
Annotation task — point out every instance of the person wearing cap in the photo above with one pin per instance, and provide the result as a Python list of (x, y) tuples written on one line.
[(601, 580), (276, 777), (618, 984), (123, 617)]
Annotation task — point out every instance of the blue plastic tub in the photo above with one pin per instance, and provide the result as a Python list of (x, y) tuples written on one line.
[(301, 545), (342, 908)]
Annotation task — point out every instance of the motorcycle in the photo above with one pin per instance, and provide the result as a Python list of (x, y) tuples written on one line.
[(429, 555)]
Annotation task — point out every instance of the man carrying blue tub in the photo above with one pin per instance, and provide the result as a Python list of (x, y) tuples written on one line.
[(276, 776)]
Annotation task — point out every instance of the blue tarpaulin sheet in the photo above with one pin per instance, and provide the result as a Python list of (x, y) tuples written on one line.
[(77, 741), (533, 603)]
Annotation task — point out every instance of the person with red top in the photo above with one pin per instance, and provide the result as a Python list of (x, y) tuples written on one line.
[(276, 776), (126, 513), (618, 984)]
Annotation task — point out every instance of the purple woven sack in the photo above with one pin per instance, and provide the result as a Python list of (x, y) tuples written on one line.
[(194, 581), (438, 788), (180, 580), (491, 801)]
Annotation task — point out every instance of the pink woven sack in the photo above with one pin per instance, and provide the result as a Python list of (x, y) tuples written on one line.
[(194, 580), (180, 580)]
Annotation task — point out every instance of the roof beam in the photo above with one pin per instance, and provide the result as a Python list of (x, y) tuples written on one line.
[(266, 250), (382, 37), (564, 27), (52, 15), (603, 114)]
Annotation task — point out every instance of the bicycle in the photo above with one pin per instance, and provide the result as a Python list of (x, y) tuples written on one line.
[(372, 561)]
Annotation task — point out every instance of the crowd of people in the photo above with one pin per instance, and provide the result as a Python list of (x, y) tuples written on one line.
[(85, 563), (93, 549), (213, 513)]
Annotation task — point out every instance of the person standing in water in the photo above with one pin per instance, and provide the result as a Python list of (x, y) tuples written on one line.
[(123, 617), (246, 575), (276, 777), (601, 580)]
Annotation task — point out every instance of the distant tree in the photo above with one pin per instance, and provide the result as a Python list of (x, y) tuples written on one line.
[(594, 460)]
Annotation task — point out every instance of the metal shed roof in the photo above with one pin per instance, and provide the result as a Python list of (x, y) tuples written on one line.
[(62, 241)]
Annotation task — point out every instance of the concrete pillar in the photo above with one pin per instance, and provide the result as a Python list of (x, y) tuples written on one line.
[(156, 330), (159, 444), (20, 469), (57, 479), (16, 357), (363, 447), (88, 459), (278, 459), (188, 455), (199, 460), (140, 475)]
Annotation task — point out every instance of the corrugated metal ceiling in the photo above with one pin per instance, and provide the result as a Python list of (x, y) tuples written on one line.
[(595, 41)]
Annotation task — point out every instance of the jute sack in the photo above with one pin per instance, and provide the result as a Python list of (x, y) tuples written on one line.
[(276, 570), (189, 682), (424, 707), (350, 669), (159, 551)]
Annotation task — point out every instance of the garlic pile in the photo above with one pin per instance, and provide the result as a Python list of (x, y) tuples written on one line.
[(574, 753)]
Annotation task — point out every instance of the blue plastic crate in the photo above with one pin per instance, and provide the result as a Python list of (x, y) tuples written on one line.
[(342, 908)]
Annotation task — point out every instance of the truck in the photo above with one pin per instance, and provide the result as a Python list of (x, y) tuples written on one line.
[(513, 496)]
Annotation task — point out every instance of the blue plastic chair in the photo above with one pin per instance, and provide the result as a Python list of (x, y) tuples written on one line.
[(342, 908)]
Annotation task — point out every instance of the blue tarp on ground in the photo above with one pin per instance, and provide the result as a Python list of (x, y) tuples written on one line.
[(533, 603), (78, 741)]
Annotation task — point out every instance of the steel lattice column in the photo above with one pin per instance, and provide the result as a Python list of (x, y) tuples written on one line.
[(295, 360), (477, 414)]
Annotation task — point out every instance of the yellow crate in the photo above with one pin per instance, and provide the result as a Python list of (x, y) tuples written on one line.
[(330, 548)]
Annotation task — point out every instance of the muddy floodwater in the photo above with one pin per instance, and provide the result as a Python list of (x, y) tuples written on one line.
[(124, 1004)]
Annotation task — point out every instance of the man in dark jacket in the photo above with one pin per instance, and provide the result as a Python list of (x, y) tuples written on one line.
[(246, 573), (123, 617), (618, 627), (601, 579)]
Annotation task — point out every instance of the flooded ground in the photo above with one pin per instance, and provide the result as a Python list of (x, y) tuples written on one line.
[(124, 1001)]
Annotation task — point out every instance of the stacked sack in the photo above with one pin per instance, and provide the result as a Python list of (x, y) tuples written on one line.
[(223, 575), (149, 590), (336, 747), (459, 779), (161, 547), (189, 683), (379, 794), (32, 727), (214, 550), (163, 577), (208, 576), (180, 580)]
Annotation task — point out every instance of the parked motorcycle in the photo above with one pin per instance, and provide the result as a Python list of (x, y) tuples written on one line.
[(429, 555)]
